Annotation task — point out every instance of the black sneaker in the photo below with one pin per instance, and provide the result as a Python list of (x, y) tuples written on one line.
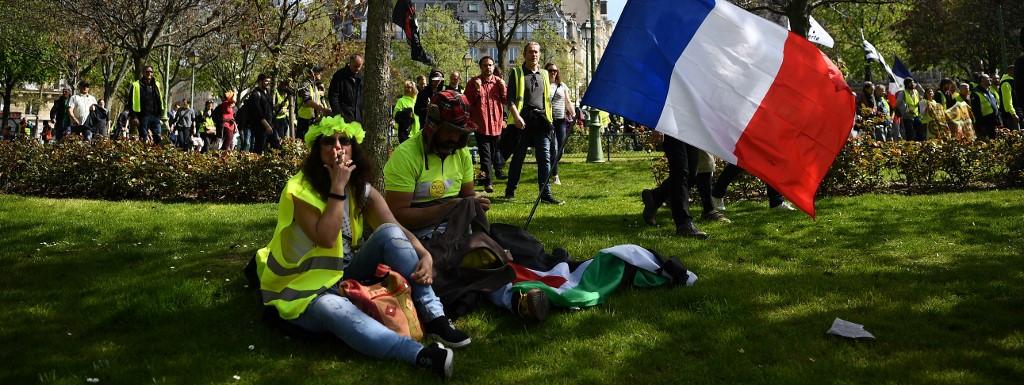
[(691, 231), (551, 200), (650, 207), (531, 305), (442, 329), (500, 174), (437, 358), (510, 195)]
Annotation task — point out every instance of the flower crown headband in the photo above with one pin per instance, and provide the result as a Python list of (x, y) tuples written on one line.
[(333, 125)]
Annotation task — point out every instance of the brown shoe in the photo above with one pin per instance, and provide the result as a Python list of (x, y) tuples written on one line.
[(531, 305), (714, 216), (691, 231)]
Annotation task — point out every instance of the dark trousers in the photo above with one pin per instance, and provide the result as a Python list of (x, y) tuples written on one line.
[(913, 129), (301, 127), (702, 182), (507, 145), (487, 145), (261, 138), (730, 173), (562, 132), (682, 162), (537, 134), (1010, 122), (281, 126)]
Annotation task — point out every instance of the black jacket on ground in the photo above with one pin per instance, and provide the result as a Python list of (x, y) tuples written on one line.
[(345, 94)]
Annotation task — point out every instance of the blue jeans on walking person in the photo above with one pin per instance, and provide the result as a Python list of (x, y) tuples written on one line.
[(245, 138), (150, 124), (562, 132), (336, 314)]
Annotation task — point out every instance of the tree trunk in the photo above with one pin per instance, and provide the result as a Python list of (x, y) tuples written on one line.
[(8, 91), (376, 80)]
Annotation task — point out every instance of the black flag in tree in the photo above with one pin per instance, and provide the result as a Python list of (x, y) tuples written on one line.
[(405, 16)]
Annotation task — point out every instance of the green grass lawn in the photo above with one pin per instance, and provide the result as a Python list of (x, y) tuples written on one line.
[(142, 292)]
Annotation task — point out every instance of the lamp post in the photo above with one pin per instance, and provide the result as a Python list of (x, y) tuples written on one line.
[(575, 81), (467, 61), (595, 153), (194, 60)]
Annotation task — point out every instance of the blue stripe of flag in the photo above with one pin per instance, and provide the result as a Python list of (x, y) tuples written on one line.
[(636, 68)]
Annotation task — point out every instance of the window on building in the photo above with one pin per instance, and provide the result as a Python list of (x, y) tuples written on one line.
[(513, 54), (454, 7), (511, 6), (475, 53), (474, 8), (493, 52)]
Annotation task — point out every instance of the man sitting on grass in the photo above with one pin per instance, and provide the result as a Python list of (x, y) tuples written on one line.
[(429, 174)]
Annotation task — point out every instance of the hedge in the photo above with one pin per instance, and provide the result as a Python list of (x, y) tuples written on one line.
[(116, 170), (939, 165), (132, 170)]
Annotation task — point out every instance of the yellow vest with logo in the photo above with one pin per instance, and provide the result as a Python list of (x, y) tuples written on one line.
[(518, 78), (137, 96), (289, 282), (307, 112)]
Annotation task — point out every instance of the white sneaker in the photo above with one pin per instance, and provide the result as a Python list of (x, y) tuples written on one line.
[(785, 206), (718, 203), (557, 181)]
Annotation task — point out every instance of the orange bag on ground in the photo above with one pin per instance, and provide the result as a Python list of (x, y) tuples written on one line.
[(388, 301)]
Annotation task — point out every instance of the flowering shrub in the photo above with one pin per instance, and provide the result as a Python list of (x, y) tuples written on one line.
[(131, 170)]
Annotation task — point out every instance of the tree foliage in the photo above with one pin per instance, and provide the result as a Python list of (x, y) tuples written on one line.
[(963, 36), (845, 22), (26, 54), (507, 16)]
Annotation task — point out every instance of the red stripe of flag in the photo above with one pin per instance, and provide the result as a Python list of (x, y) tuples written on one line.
[(801, 125)]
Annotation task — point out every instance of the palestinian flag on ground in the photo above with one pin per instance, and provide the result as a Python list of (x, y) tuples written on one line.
[(592, 280)]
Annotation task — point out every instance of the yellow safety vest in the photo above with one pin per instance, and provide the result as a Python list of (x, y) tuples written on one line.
[(986, 107), (911, 99), (1006, 94), (278, 98), (290, 282), (307, 112), (137, 96), (517, 77)]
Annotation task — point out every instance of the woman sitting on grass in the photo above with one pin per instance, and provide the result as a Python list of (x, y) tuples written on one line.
[(318, 240)]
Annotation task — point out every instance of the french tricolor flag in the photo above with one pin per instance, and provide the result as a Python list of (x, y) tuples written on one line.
[(715, 76)]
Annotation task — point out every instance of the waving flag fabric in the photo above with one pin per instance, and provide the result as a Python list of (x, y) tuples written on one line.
[(724, 80)]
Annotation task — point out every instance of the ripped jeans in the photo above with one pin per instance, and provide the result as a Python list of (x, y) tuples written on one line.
[(336, 314)]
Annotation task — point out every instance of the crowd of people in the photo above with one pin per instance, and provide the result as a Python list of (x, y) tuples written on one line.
[(952, 109)]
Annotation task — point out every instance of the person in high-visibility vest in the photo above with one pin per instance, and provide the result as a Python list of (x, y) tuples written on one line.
[(282, 109), (985, 106), (147, 106), (319, 240), (529, 100), (312, 102), (908, 105), (1007, 102)]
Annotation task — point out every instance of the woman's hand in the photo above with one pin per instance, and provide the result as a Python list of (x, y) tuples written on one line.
[(340, 171), (424, 273)]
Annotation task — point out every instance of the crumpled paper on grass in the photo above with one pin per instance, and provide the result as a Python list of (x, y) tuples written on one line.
[(849, 329)]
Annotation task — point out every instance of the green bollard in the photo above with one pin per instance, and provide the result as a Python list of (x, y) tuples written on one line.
[(595, 153)]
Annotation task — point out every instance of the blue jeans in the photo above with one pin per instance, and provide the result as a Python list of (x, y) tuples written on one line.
[(149, 124), (541, 142), (336, 314), (245, 139)]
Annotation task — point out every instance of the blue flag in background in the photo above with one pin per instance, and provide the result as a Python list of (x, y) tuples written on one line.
[(901, 70)]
